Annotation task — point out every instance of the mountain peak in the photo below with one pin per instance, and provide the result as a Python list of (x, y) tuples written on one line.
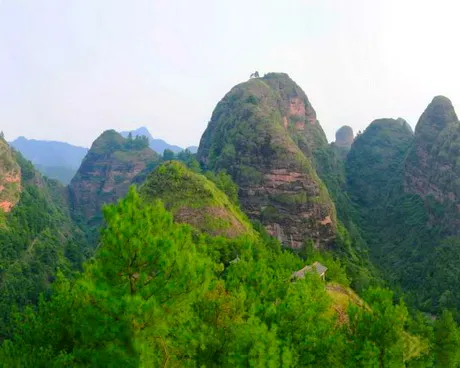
[(108, 135), (111, 165), (441, 100), (431, 165), (439, 114), (277, 75), (143, 130), (394, 125), (379, 149), (344, 137), (107, 141), (263, 133)]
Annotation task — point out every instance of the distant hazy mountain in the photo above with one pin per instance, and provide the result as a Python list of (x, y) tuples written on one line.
[(193, 149), (50, 153), (62, 173), (57, 160), (158, 145)]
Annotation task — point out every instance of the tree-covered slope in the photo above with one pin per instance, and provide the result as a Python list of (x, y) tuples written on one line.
[(375, 161), (349, 245), (37, 237), (194, 199), (263, 133), (432, 168), (409, 229), (112, 164), (156, 294)]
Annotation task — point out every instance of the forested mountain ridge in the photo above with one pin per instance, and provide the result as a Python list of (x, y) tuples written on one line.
[(111, 165), (403, 185), (37, 235), (263, 133), (375, 159), (152, 276), (432, 167)]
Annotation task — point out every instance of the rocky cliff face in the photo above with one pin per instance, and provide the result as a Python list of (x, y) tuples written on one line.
[(433, 164), (195, 200), (10, 178), (299, 117), (112, 164), (264, 132)]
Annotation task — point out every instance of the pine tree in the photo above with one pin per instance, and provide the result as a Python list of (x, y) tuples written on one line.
[(376, 331), (447, 341)]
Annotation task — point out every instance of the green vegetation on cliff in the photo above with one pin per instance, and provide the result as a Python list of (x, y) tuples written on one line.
[(263, 133), (432, 167), (111, 165), (374, 164), (194, 199), (37, 238), (408, 228)]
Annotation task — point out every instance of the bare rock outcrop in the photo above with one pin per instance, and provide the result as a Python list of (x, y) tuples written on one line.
[(10, 178)]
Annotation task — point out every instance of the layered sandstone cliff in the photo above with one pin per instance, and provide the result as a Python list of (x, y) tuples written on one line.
[(10, 178), (111, 165), (263, 133)]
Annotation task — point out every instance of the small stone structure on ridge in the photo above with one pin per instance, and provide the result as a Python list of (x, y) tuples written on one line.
[(315, 267)]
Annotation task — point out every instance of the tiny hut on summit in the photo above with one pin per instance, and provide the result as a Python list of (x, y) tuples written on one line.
[(315, 267)]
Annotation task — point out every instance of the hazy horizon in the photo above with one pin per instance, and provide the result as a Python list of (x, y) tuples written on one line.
[(71, 70)]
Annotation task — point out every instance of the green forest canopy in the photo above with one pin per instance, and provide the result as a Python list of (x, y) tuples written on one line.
[(158, 294)]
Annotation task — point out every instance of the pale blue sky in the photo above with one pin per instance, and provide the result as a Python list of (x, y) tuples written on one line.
[(70, 69)]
